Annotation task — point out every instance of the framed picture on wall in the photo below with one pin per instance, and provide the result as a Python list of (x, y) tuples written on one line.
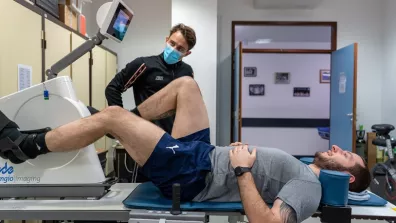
[(282, 78), (301, 92), (250, 71), (256, 89), (324, 76)]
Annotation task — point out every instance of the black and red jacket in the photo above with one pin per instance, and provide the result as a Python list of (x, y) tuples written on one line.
[(146, 75)]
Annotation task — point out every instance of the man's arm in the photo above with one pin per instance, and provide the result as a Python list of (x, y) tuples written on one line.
[(257, 210), (123, 80)]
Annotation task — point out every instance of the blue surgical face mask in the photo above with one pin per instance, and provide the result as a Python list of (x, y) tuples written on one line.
[(171, 55)]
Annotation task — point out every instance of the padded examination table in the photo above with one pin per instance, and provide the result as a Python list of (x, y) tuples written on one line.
[(147, 196)]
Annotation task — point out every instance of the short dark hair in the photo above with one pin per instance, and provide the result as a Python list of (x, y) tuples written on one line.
[(362, 178), (187, 32)]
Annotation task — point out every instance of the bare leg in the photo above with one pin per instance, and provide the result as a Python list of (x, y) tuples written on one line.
[(138, 136), (182, 96)]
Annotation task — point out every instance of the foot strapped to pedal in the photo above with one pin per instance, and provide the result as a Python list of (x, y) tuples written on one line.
[(7, 145)]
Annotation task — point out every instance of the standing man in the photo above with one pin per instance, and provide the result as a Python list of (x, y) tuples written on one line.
[(147, 75)]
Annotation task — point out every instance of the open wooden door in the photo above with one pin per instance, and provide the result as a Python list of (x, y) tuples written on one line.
[(236, 102), (343, 97)]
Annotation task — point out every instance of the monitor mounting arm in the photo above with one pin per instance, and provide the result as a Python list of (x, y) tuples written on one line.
[(74, 55), (113, 19)]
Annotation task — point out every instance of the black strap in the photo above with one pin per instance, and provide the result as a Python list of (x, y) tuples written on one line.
[(3, 121), (6, 144)]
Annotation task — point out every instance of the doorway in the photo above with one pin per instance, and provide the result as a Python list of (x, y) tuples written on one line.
[(282, 85)]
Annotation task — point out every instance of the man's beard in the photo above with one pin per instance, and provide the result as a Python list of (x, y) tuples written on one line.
[(326, 163)]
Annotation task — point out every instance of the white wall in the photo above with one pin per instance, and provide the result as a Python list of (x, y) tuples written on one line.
[(353, 26), (146, 34), (201, 16), (279, 102), (389, 77)]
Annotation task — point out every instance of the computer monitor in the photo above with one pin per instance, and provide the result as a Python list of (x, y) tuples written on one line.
[(117, 21)]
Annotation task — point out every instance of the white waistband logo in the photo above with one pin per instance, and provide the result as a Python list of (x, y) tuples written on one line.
[(173, 148)]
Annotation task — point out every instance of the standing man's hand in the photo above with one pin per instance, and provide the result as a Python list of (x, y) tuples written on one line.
[(240, 156)]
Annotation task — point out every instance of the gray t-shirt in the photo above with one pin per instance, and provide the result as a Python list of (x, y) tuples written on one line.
[(276, 174)]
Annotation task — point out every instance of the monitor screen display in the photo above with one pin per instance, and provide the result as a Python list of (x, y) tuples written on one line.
[(120, 22)]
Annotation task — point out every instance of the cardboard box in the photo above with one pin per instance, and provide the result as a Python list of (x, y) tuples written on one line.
[(68, 17)]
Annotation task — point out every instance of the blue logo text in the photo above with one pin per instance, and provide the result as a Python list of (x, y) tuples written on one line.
[(6, 169)]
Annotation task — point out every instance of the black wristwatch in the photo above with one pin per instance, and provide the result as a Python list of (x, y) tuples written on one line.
[(239, 171)]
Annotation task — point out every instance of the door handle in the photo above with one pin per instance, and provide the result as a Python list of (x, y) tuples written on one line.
[(350, 114)]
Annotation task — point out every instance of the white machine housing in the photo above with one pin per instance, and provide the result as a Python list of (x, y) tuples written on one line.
[(30, 110)]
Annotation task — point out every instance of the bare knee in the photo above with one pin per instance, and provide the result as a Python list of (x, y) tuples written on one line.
[(111, 118), (185, 80), (111, 112), (189, 83)]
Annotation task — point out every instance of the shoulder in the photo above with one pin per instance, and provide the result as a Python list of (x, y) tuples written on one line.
[(136, 62), (151, 57), (186, 66), (146, 59), (186, 69), (305, 187)]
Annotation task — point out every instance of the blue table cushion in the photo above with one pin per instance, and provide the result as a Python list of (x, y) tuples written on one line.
[(374, 200), (335, 187), (148, 196)]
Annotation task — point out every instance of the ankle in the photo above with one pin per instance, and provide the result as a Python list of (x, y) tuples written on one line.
[(40, 141), (34, 145)]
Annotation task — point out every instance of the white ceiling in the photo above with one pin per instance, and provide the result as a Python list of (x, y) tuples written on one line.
[(286, 4), (284, 33)]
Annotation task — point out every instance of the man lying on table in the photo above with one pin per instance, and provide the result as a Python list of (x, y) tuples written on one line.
[(257, 176)]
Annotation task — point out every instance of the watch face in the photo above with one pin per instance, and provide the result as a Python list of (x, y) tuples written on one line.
[(238, 171)]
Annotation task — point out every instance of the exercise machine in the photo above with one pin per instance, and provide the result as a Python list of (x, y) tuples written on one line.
[(384, 174), (72, 186), (49, 105)]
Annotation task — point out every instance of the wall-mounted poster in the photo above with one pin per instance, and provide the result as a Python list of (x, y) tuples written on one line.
[(324, 76), (301, 92), (250, 72), (282, 78), (256, 89)]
